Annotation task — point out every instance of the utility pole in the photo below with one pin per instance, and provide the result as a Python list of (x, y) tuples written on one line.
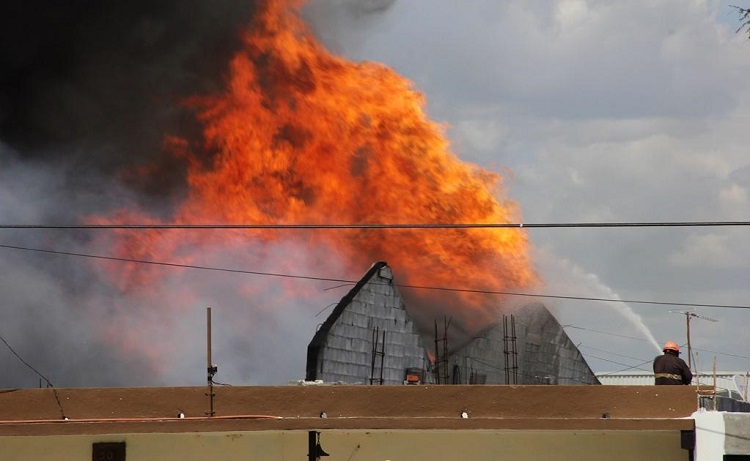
[(689, 315)]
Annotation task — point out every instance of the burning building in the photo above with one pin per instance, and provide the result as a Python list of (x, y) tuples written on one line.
[(528, 347), (370, 338)]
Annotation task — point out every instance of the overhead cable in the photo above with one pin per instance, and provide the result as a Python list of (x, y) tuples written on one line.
[(328, 279), (49, 383), (385, 226)]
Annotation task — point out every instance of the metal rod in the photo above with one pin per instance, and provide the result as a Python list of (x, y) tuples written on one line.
[(437, 355), (375, 337), (514, 348), (208, 339), (505, 349), (210, 368), (382, 360), (687, 316)]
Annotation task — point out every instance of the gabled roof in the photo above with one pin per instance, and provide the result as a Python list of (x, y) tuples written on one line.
[(318, 341)]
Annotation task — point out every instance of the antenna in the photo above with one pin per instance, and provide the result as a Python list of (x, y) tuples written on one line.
[(689, 314)]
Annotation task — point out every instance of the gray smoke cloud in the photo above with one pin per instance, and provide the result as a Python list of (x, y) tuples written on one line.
[(87, 90), (346, 24)]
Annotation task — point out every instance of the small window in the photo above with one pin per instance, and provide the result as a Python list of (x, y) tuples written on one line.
[(108, 451)]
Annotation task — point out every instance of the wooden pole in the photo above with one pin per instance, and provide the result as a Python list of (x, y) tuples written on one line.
[(687, 317), (714, 369)]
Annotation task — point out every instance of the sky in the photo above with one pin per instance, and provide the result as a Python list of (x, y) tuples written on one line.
[(592, 111), (600, 111)]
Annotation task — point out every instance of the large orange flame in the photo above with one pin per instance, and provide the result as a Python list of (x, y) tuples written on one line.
[(300, 136)]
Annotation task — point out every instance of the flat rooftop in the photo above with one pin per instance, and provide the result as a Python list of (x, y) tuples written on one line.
[(299, 407)]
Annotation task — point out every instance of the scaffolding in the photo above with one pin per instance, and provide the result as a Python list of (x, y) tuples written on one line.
[(441, 356), (376, 340)]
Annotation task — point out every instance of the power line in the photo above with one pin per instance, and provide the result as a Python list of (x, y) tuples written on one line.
[(608, 333), (385, 226), (168, 264), (585, 298), (345, 281), (610, 352), (49, 383), (604, 332), (637, 366), (628, 367), (721, 353)]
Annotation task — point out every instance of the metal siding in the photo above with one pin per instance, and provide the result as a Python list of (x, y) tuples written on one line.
[(544, 349), (545, 353), (349, 347)]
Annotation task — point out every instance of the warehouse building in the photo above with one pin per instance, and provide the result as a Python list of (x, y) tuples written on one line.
[(370, 338)]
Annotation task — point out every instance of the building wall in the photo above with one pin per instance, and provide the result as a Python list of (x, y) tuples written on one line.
[(545, 353), (362, 445), (369, 338), (709, 436), (719, 433), (376, 310), (737, 433)]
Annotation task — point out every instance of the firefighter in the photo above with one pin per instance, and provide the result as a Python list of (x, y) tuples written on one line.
[(670, 368)]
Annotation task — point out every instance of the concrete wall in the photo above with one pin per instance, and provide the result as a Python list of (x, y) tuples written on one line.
[(719, 433), (361, 445), (737, 433)]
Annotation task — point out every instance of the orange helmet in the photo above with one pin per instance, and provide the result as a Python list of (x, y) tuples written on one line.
[(671, 346)]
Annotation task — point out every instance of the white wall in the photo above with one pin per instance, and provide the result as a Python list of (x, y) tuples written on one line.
[(709, 435)]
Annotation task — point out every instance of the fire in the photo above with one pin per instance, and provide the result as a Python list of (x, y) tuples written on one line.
[(300, 136)]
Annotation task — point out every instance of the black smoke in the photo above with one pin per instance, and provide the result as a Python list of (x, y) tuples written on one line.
[(101, 82)]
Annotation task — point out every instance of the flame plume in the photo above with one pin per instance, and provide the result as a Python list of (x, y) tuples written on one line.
[(300, 136)]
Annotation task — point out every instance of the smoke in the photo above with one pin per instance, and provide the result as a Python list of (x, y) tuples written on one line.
[(346, 24), (368, 6), (99, 84), (89, 90), (48, 299)]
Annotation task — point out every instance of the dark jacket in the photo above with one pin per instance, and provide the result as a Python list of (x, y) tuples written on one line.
[(671, 369)]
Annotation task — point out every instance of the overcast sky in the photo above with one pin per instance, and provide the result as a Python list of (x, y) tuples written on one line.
[(599, 111), (593, 111)]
